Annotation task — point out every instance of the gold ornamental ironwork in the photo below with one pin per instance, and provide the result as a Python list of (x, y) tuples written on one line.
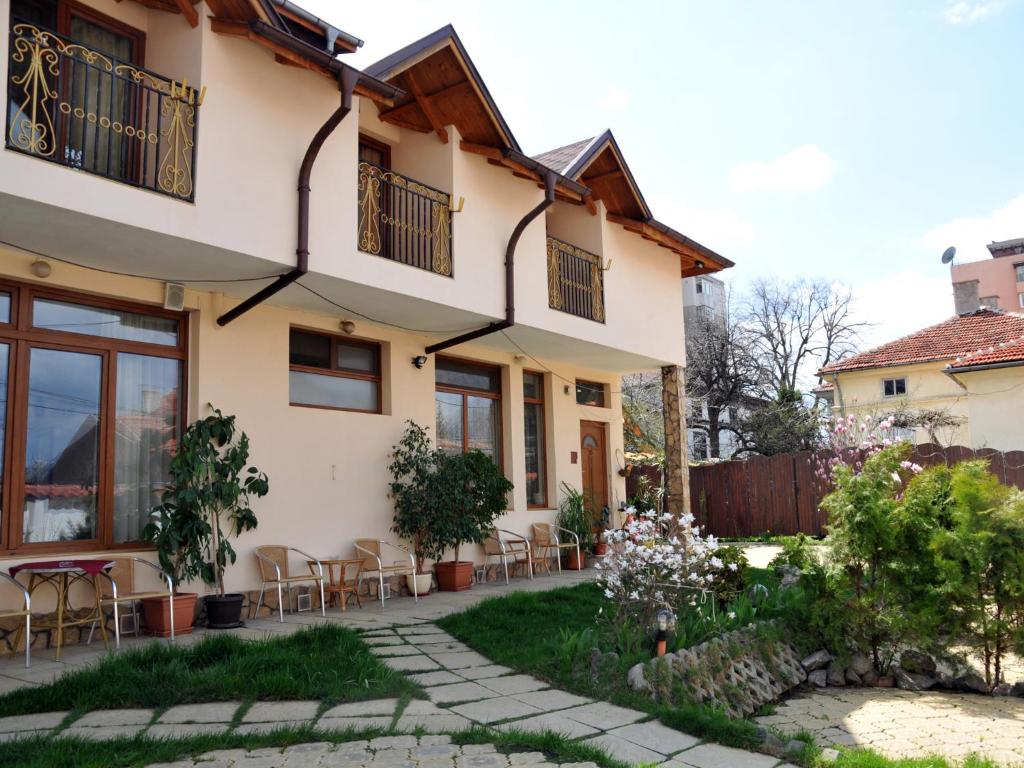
[(573, 271)]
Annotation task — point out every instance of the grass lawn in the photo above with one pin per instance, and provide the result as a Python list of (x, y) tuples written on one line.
[(327, 663)]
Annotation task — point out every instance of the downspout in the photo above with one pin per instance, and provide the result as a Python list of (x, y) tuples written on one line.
[(510, 273), (347, 83)]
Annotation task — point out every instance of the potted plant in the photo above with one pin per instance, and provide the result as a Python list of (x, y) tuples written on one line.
[(471, 493), (207, 502), (412, 471), (573, 516)]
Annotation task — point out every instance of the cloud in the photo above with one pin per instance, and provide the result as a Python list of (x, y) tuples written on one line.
[(803, 170), (898, 303), (963, 12), (720, 229), (970, 234), (614, 99)]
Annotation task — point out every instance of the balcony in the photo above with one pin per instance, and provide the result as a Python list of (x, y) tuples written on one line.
[(575, 281), (81, 109), (404, 220)]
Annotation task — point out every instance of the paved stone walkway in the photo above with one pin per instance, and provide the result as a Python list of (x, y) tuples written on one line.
[(908, 724)]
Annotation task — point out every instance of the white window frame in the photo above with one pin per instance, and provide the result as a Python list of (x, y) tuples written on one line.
[(895, 381)]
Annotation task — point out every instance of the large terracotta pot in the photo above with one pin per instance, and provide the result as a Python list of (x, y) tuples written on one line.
[(574, 563), (454, 576), (158, 615)]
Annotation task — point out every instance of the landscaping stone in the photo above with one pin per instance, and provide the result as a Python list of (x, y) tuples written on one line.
[(356, 723), (717, 756), (272, 711), (870, 677), (603, 715), (495, 710), (836, 673), (656, 736), (45, 721), (247, 729), (382, 640), (441, 677), (917, 662), (363, 708), (852, 678), (479, 673), (390, 742), (513, 684), (912, 681), (818, 678), (626, 751), (442, 723), (411, 663), (459, 692), (793, 748), (185, 730), (1003, 689), (1018, 689), (817, 660), (789, 575), (970, 682), (101, 718), (460, 659), (104, 732), (551, 699), (556, 722), (397, 650), (637, 680), (861, 664), (214, 712)]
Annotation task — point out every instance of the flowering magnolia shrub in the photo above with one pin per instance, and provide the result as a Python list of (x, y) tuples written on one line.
[(657, 562), (849, 441)]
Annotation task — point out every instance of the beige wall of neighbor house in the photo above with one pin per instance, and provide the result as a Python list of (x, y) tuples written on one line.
[(927, 388), (995, 407)]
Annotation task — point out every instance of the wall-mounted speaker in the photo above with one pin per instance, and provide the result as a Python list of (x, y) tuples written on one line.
[(174, 296)]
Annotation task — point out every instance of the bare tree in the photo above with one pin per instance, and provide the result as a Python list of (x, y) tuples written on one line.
[(644, 426), (796, 326)]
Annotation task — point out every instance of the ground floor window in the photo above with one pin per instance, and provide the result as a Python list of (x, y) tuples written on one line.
[(468, 407), (90, 414), (536, 469)]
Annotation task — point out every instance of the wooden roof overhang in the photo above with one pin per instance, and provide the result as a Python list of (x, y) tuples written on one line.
[(185, 7)]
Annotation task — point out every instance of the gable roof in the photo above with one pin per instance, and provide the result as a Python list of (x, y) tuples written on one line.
[(443, 87), (562, 158), (1004, 355), (956, 337)]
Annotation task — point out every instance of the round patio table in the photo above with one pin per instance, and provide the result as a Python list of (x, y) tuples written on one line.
[(62, 575)]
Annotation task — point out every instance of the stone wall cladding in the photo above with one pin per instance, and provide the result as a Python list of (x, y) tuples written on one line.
[(677, 467), (739, 672)]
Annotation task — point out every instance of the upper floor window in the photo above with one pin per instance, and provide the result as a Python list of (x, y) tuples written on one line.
[(989, 302), (467, 403), (575, 281), (1020, 300), (330, 371), (590, 393), (894, 387), (699, 286), (1019, 271)]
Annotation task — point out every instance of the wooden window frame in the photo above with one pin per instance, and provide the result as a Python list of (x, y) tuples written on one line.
[(380, 146), (21, 337), (544, 434), (466, 393), (68, 8), (604, 393), (341, 373)]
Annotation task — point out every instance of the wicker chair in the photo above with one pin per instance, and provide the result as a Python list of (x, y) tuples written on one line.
[(26, 612), (370, 551), (273, 562), (508, 547), (118, 587), (546, 540)]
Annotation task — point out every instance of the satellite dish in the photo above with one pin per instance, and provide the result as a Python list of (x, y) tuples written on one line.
[(948, 254)]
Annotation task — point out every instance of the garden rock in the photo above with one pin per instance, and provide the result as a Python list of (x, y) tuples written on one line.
[(794, 747), (836, 674), (789, 575), (817, 660), (870, 677), (1003, 689), (637, 680), (1018, 689), (861, 664), (852, 678), (818, 678), (912, 681), (971, 682), (917, 662), (772, 744)]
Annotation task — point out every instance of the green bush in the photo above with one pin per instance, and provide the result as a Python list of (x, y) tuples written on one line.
[(797, 551), (731, 578), (574, 516)]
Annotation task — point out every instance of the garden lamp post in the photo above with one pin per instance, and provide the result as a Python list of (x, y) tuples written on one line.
[(666, 622)]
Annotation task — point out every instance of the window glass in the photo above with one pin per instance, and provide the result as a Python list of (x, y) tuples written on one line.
[(454, 373), (483, 425), (1020, 299), (449, 422), (312, 349), (4, 364), (536, 475), (62, 446), (989, 302), (333, 391), (147, 422), (358, 357), (533, 386), (1019, 269), (5, 307), (590, 393), (894, 387), (63, 316)]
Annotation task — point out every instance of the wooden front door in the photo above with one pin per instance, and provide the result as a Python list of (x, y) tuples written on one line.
[(594, 455)]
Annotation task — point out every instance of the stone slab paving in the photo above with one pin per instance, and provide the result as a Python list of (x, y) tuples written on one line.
[(215, 712), (900, 723)]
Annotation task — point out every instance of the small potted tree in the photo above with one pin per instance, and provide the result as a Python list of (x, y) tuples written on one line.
[(207, 502), (471, 493), (413, 467), (574, 516)]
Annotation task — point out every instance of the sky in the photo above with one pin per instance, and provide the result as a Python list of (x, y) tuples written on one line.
[(848, 141)]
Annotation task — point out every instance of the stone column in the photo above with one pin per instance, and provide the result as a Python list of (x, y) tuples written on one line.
[(677, 469)]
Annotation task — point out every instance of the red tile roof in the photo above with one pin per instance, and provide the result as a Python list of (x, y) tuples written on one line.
[(959, 336), (1009, 353)]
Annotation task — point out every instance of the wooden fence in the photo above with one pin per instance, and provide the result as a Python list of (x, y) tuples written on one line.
[(782, 494)]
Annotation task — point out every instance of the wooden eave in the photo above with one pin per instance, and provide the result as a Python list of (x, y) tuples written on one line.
[(498, 158), (605, 173)]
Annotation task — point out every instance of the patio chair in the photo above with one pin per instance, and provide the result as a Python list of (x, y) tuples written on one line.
[(370, 551), (546, 539), (273, 562), (118, 587), (26, 611), (508, 546)]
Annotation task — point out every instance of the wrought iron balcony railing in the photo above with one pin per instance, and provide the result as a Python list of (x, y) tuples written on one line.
[(404, 220), (74, 106), (575, 281)]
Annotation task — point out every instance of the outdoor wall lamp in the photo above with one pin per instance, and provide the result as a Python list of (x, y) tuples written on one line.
[(419, 361), (41, 268), (348, 327), (666, 622)]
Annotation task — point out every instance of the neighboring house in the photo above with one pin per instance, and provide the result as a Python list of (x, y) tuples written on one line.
[(434, 273), (954, 369), (997, 283)]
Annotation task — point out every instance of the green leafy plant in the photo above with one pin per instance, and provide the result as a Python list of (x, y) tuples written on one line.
[(471, 493), (732, 576), (207, 501), (574, 516), (797, 551), (413, 471)]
